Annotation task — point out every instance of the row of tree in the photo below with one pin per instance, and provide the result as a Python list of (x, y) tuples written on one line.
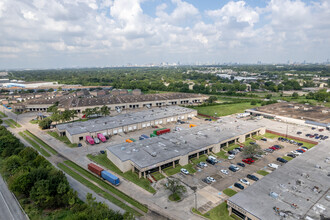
[(38, 184)]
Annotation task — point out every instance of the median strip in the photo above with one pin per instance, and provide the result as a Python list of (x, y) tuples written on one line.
[(35, 145)]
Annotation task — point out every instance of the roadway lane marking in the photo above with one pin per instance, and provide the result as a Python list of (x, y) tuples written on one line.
[(7, 205)]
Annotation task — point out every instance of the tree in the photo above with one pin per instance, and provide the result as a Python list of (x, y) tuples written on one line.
[(56, 116), (66, 115), (105, 110), (45, 123), (212, 99), (268, 96), (174, 186), (295, 95), (1, 121), (253, 102), (251, 150)]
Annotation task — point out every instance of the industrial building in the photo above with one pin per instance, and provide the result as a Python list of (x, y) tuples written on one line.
[(295, 113), (114, 102), (77, 131), (300, 189), (168, 150)]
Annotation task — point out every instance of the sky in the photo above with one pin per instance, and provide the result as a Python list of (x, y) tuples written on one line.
[(101, 33)]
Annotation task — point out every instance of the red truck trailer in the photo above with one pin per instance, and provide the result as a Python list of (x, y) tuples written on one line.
[(159, 132), (101, 137), (90, 140), (95, 169)]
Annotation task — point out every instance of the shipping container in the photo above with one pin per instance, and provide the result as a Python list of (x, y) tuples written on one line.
[(192, 125), (153, 135), (132, 139), (155, 131), (110, 177), (145, 136), (160, 132), (95, 169), (129, 141), (90, 140), (101, 137)]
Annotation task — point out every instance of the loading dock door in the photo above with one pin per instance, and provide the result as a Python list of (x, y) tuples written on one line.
[(120, 130), (115, 131)]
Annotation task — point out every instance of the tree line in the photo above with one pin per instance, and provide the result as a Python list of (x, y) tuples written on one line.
[(39, 186)]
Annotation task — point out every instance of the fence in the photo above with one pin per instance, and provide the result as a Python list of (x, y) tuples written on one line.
[(292, 137), (207, 116)]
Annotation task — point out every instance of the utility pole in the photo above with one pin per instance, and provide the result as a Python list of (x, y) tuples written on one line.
[(287, 126)]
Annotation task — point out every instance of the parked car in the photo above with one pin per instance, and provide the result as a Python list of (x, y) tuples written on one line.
[(273, 165), (244, 181), (304, 148), (269, 150), (300, 151), (248, 160), (296, 153), (211, 179), (206, 181), (307, 135), (232, 152), (263, 139), (102, 151), (96, 140), (238, 149), (241, 164), (184, 171), (224, 172), (252, 177), (300, 144), (233, 168), (210, 161), (291, 155), (299, 132), (203, 164), (277, 146), (252, 143), (281, 160), (238, 185), (231, 157)]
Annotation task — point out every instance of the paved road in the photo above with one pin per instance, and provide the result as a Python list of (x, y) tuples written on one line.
[(9, 207)]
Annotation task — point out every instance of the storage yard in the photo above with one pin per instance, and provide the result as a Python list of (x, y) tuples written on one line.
[(78, 131)]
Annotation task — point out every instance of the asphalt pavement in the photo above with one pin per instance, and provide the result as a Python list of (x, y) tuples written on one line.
[(9, 207)]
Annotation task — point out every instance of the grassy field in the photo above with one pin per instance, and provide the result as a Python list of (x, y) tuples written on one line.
[(133, 177), (41, 142), (2, 115), (262, 172), (158, 176), (287, 158), (218, 213), (225, 109), (34, 121), (96, 189), (9, 124), (35, 145), (171, 171), (15, 123), (64, 139), (229, 192), (196, 160), (107, 186), (231, 147), (222, 154)]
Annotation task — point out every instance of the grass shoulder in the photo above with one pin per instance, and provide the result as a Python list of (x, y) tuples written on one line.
[(229, 192), (64, 139), (219, 212), (35, 145), (41, 142), (262, 172)]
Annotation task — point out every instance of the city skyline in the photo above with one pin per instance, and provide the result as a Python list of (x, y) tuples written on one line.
[(82, 33)]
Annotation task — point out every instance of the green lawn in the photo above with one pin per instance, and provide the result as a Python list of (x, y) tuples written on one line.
[(190, 168), (262, 172), (222, 154), (41, 142), (287, 158), (229, 192), (174, 197), (9, 123), (96, 189), (64, 139), (232, 146), (15, 123), (133, 177), (225, 109), (35, 145), (158, 176), (218, 213), (107, 186), (33, 121), (201, 158), (272, 136), (2, 115), (171, 171)]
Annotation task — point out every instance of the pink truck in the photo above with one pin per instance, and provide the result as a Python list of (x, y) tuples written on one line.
[(90, 140), (101, 137)]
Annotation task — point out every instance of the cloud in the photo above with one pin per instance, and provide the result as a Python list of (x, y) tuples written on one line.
[(121, 31)]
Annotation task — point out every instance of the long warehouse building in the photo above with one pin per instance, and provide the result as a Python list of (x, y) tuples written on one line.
[(77, 131), (300, 189), (168, 150)]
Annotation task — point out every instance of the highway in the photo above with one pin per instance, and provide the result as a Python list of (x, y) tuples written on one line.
[(9, 207)]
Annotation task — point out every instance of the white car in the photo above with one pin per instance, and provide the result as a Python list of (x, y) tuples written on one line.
[(273, 165), (231, 157), (296, 153), (224, 172), (184, 171), (203, 164), (209, 178), (245, 181)]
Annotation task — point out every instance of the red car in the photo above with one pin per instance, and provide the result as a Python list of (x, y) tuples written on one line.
[(302, 149), (273, 148), (248, 160)]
